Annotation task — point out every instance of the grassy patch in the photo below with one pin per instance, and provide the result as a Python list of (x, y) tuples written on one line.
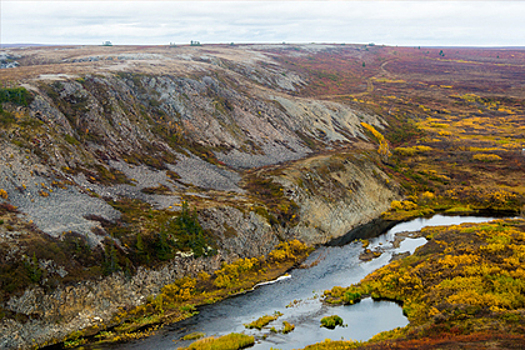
[(233, 341), (153, 236), (263, 321), (283, 209), (194, 336), (160, 189)]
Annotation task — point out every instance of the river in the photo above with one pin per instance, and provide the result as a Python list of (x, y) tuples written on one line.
[(337, 266)]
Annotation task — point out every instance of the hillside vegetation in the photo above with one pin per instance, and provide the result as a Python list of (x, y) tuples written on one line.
[(138, 182)]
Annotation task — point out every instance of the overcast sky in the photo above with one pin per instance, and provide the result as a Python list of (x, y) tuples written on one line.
[(408, 23)]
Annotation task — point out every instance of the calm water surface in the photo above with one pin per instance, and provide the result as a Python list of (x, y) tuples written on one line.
[(338, 266)]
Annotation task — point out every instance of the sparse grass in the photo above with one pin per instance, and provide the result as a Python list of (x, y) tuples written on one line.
[(233, 341), (101, 174), (263, 321), (194, 336), (283, 210), (160, 189)]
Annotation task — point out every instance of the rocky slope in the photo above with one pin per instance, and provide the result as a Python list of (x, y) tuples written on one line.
[(107, 143)]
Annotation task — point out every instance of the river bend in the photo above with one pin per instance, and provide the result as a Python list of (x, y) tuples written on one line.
[(337, 266)]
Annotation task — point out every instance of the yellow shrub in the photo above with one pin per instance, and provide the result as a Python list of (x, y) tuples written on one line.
[(427, 197), (222, 281), (278, 255), (405, 151), (410, 151), (404, 205), (423, 148), (409, 205), (203, 276), (486, 157), (454, 260), (471, 297), (493, 247), (383, 144), (181, 290), (396, 205), (3, 193)]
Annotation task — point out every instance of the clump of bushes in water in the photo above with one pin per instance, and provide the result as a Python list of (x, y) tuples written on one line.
[(331, 322), (340, 295), (288, 327), (336, 345), (233, 341), (263, 321)]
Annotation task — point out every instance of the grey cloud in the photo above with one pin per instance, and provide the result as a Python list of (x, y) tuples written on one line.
[(150, 22)]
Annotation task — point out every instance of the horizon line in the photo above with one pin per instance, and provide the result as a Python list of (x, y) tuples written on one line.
[(18, 45)]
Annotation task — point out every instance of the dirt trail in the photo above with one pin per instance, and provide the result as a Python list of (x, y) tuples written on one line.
[(369, 85)]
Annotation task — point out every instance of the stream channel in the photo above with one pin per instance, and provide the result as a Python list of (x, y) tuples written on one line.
[(337, 266)]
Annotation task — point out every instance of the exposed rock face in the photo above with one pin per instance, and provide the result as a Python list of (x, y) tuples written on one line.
[(337, 194), (241, 234), (161, 128), (8, 60), (70, 308), (53, 315)]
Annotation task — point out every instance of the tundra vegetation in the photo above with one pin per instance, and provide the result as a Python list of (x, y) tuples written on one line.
[(456, 147), (452, 134), (233, 341), (456, 143), (467, 280), (179, 300)]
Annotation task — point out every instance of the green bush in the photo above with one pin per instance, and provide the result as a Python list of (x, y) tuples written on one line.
[(19, 96), (188, 233), (33, 270), (331, 322), (351, 297)]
